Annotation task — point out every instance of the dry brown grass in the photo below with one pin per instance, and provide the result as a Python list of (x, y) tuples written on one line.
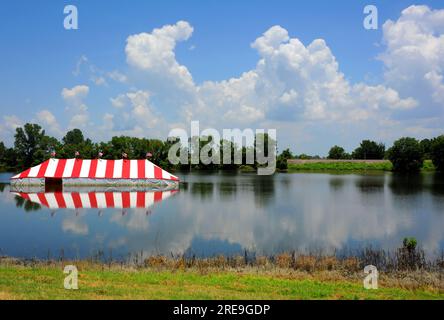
[(351, 264), (283, 260), (8, 296), (327, 263), (306, 263)]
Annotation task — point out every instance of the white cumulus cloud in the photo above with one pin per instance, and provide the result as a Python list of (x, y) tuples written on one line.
[(414, 58), (49, 122), (154, 53), (74, 98)]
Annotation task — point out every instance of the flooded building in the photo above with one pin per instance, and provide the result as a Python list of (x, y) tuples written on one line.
[(61, 173)]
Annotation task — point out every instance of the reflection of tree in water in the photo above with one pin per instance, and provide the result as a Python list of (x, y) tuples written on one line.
[(437, 185), (227, 190), (370, 184), (2, 187), (336, 183), (406, 184), (264, 190), (184, 186), (31, 206), (285, 180), (27, 205), (19, 201), (436, 188), (203, 190)]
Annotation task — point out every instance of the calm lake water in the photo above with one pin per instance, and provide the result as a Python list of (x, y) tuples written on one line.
[(228, 213)]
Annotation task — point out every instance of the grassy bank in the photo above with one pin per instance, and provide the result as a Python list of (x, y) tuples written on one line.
[(344, 165), (46, 282), (162, 278)]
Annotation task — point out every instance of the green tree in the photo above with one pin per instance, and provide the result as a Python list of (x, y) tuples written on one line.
[(74, 141), (369, 150), (406, 155), (2, 149), (159, 150), (9, 159), (74, 136), (265, 147), (282, 162), (209, 148), (282, 159), (227, 146), (2, 154), (303, 156), (437, 152), (426, 146), (118, 145), (31, 145), (287, 154), (337, 153), (46, 145)]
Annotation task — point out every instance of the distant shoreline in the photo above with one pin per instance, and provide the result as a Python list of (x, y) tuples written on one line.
[(295, 165), (312, 165)]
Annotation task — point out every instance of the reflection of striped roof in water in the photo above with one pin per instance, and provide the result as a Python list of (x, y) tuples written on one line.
[(100, 200), (97, 169)]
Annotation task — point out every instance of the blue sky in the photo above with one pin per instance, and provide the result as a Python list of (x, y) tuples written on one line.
[(39, 59)]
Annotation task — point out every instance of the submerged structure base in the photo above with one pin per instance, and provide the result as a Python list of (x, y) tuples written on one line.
[(88, 184)]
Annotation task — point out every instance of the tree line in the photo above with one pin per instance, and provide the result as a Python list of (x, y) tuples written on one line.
[(407, 154), (32, 146)]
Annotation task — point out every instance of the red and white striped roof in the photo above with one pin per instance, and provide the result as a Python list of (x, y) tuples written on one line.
[(99, 200), (97, 169)]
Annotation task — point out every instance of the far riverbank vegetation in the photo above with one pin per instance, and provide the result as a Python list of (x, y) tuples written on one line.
[(32, 146)]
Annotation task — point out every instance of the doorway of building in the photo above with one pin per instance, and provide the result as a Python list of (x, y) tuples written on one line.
[(53, 184)]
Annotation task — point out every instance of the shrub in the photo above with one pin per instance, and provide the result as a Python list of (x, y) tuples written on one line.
[(406, 155), (410, 244), (282, 163), (437, 153), (409, 256)]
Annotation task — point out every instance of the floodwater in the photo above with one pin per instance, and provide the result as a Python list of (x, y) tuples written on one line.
[(226, 213)]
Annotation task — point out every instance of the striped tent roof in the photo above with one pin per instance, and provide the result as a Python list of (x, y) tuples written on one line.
[(99, 200), (97, 169)]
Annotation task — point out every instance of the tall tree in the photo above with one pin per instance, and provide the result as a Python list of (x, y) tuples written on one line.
[(406, 155), (74, 136), (426, 145), (28, 140), (287, 154), (369, 150), (437, 153), (338, 153), (2, 150), (2, 155)]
